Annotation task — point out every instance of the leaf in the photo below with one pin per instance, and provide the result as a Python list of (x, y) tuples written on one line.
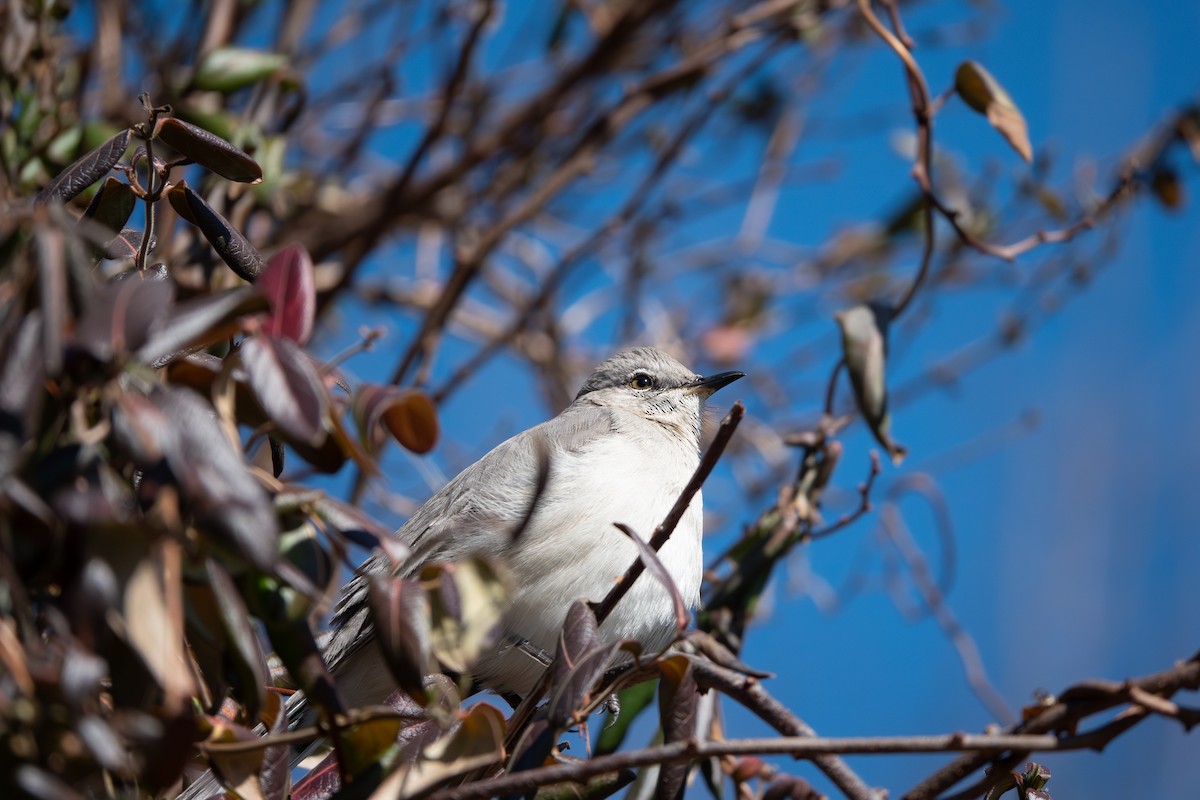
[(227, 241), (570, 693), (287, 386), (275, 776), (287, 281), (401, 616), (153, 617), (596, 787), (360, 529), (247, 652), (657, 569), (408, 414), (39, 784), (238, 770), (1167, 188), (864, 348), (677, 697), (201, 321), (208, 150), (466, 599), (90, 168), (228, 502), (477, 742), (227, 69), (111, 207), (982, 92), (125, 244), (21, 390), (122, 317), (363, 744), (142, 431)]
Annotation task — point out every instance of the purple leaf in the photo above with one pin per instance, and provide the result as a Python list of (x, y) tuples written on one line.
[(87, 170), (288, 282), (401, 615), (227, 501), (247, 652), (200, 321), (123, 316), (287, 386)]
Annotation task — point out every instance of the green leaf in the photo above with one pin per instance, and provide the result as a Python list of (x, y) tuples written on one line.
[(228, 69)]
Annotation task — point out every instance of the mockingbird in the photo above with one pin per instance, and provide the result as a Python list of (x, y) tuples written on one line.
[(621, 452)]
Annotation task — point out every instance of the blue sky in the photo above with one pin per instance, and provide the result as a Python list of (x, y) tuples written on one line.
[(1077, 541)]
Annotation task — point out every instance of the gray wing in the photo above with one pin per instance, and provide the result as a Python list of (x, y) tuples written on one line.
[(475, 513)]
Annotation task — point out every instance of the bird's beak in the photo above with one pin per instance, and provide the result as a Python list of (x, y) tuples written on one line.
[(706, 386)]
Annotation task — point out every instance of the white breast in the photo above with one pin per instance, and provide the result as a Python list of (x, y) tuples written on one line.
[(572, 550)]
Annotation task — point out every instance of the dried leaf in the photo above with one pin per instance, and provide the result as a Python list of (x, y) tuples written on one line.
[(864, 348), (227, 241), (90, 168), (364, 744), (476, 743), (227, 69), (982, 92), (208, 150), (401, 617), (287, 281), (466, 599), (287, 386), (153, 615), (408, 414)]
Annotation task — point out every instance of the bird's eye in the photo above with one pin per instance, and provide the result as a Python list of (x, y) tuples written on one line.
[(641, 380)]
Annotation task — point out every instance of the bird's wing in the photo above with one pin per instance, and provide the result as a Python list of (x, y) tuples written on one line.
[(475, 513)]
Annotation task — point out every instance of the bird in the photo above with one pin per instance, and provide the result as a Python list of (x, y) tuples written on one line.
[(622, 451)]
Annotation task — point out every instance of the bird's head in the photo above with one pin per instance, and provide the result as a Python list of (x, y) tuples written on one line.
[(653, 385)]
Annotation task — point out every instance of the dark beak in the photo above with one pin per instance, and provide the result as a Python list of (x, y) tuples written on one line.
[(706, 386)]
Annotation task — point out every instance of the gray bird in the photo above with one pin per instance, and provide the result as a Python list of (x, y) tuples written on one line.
[(621, 452)]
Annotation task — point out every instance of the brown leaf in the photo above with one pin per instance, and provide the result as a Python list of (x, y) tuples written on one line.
[(208, 150), (153, 614), (408, 414), (476, 743), (982, 92)]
